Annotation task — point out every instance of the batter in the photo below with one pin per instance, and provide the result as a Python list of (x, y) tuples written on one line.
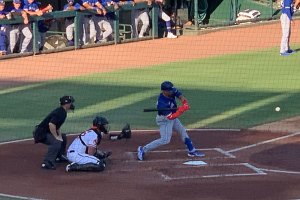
[(167, 120)]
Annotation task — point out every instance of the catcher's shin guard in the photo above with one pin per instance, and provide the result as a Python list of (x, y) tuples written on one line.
[(88, 167)]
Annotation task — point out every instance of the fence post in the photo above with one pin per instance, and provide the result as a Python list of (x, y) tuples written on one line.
[(35, 37), (196, 14), (154, 16), (116, 26), (77, 29), (271, 9), (234, 10)]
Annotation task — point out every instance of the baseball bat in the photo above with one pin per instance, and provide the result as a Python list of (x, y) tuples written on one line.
[(155, 109)]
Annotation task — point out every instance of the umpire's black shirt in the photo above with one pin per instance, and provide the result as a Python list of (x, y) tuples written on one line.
[(57, 117)]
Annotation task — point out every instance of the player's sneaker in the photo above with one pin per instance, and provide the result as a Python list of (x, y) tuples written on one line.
[(171, 35), (196, 154), (140, 153), (291, 51), (285, 53)]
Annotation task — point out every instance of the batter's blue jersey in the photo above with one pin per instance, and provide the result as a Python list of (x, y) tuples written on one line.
[(287, 8), (164, 102)]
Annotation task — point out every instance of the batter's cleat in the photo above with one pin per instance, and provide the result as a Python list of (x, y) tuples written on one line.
[(196, 154), (140, 153), (48, 165), (171, 35), (285, 53)]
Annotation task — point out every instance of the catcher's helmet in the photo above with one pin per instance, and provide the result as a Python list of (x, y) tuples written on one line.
[(101, 123)]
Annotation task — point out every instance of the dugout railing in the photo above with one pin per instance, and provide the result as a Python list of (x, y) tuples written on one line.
[(78, 15)]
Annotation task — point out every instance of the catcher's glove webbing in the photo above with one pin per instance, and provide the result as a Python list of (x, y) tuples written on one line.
[(125, 133)]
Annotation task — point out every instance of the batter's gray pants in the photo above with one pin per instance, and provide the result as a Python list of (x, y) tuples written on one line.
[(166, 128), (286, 33)]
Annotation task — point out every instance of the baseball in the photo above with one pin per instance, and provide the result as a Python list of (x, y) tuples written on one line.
[(277, 109)]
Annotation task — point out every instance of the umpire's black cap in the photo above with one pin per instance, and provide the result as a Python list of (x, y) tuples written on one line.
[(66, 99)]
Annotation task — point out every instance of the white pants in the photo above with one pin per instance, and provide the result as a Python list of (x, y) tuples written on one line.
[(82, 158), (286, 33), (104, 28), (164, 16), (14, 35), (140, 15), (89, 30)]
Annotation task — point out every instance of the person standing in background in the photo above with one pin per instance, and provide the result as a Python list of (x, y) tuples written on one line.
[(287, 12)]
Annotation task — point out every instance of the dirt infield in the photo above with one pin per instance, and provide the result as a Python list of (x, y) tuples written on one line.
[(239, 165), (233, 170)]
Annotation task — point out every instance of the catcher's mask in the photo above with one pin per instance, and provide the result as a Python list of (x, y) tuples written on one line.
[(101, 123), (66, 100)]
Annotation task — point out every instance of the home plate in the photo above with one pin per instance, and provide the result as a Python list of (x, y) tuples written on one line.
[(195, 162)]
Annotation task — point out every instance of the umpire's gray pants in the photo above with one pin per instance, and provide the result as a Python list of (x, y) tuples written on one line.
[(56, 148), (166, 128)]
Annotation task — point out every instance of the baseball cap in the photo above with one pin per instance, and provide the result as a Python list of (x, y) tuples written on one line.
[(2, 2), (17, 1)]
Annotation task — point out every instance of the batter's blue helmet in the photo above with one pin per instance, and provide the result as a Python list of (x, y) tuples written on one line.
[(167, 85)]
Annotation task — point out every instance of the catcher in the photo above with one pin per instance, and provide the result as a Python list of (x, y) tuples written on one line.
[(83, 152)]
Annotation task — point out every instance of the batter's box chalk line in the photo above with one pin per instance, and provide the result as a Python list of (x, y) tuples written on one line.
[(257, 172), (132, 155)]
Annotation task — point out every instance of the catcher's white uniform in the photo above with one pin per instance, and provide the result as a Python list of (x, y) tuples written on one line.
[(77, 151)]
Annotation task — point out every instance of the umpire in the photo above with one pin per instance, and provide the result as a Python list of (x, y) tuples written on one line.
[(50, 128)]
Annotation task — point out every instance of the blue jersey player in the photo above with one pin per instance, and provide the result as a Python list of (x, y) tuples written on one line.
[(167, 120), (286, 18)]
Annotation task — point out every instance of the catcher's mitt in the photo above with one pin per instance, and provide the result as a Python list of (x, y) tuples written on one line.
[(125, 133)]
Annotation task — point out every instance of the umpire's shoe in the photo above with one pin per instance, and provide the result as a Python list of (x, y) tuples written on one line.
[(48, 165), (62, 159)]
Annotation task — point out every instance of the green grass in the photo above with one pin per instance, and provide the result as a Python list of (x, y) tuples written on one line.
[(233, 91)]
